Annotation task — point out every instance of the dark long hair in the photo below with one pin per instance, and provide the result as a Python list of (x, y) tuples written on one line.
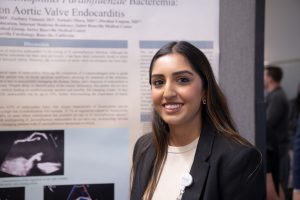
[(215, 112)]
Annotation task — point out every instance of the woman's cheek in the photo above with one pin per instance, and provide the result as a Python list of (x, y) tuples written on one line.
[(156, 97), (188, 93), (191, 94)]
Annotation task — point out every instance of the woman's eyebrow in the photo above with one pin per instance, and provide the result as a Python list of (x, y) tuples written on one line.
[(157, 75), (182, 72), (174, 73)]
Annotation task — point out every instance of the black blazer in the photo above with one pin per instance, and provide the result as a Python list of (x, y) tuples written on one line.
[(222, 169)]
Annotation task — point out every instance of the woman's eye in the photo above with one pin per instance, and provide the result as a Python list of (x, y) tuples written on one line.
[(157, 83), (183, 80)]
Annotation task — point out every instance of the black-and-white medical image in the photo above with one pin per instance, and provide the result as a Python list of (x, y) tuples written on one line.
[(16, 193), (31, 153), (79, 192)]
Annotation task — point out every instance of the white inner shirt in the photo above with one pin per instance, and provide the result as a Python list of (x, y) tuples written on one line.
[(178, 161)]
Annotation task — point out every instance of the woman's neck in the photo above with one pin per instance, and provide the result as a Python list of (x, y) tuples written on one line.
[(181, 135)]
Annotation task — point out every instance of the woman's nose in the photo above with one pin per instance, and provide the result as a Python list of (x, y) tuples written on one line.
[(169, 91)]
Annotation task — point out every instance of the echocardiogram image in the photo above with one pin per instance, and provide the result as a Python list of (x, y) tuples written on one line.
[(17, 193), (79, 192), (31, 153)]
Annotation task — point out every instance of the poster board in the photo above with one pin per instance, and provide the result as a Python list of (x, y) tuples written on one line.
[(74, 78)]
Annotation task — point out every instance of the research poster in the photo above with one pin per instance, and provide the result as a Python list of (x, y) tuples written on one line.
[(74, 92)]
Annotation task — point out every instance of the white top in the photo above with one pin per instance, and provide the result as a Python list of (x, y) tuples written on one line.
[(178, 161)]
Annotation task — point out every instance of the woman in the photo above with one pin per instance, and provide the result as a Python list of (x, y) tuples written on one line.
[(194, 150)]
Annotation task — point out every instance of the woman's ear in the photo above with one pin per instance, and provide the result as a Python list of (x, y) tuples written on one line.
[(204, 98)]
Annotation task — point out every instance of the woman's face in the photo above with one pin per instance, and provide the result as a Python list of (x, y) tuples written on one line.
[(176, 89)]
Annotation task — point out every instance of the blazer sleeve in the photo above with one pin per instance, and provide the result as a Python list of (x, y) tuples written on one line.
[(242, 176)]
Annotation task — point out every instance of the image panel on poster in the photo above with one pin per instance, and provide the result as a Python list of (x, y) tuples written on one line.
[(97, 155), (14, 193), (31, 153), (79, 191)]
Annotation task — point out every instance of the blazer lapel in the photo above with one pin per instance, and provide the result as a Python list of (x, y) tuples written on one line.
[(200, 166)]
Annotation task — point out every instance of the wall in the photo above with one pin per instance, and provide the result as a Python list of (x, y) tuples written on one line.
[(241, 65)]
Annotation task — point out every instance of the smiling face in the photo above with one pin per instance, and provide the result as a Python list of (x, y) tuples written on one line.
[(177, 90)]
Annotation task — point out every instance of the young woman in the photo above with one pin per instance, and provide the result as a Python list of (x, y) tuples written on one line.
[(194, 150)]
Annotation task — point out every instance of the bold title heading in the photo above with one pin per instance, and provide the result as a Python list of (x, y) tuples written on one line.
[(106, 2), (48, 11)]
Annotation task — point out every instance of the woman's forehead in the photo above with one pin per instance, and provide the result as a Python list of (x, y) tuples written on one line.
[(171, 63)]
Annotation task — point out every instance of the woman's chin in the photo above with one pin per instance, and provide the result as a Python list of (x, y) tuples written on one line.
[(173, 121)]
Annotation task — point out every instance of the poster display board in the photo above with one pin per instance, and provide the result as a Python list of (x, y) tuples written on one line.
[(74, 92)]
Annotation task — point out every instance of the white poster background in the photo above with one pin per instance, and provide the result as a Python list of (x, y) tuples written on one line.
[(87, 74)]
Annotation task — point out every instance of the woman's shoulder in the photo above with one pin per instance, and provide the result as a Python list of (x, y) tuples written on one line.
[(142, 145), (144, 140), (230, 143), (230, 149), (222, 144), (237, 163)]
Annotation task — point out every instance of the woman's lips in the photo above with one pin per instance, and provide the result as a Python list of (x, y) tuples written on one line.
[(172, 107)]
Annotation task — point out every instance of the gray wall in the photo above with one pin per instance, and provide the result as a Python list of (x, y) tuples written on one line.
[(241, 64)]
